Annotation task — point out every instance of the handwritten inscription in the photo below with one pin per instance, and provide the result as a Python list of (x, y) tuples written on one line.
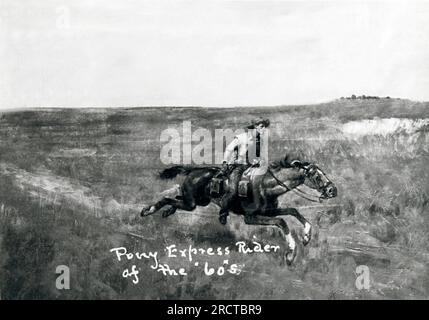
[(193, 256)]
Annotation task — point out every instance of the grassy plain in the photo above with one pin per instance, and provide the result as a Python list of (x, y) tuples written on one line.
[(72, 182)]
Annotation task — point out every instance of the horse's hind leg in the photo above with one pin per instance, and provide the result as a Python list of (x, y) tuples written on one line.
[(307, 225), (280, 223), (185, 202), (171, 210), (147, 211)]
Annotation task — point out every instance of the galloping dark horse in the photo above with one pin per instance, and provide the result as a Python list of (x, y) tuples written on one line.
[(280, 178)]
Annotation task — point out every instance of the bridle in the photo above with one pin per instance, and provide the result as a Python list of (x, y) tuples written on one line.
[(310, 172)]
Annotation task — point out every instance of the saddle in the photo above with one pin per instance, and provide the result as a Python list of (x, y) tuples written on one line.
[(217, 186), (244, 185)]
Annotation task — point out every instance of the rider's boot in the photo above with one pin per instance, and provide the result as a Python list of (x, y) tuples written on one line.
[(230, 196), (227, 199), (224, 206)]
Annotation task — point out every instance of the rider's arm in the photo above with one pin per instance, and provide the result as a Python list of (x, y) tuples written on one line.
[(230, 150)]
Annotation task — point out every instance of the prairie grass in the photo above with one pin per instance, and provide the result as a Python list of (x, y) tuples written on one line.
[(109, 160)]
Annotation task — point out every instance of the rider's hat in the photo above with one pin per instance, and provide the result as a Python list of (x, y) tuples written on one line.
[(258, 121)]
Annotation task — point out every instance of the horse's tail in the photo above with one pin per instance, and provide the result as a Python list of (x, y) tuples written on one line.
[(172, 172)]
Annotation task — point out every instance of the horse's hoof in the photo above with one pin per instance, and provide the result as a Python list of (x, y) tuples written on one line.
[(147, 211), (306, 239), (168, 212), (143, 212), (307, 234), (223, 219), (290, 256)]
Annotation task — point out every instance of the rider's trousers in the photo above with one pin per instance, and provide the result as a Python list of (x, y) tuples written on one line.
[(231, 195)]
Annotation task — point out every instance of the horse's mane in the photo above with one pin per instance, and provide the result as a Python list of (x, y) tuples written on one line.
[(278, 164), (285, 162)]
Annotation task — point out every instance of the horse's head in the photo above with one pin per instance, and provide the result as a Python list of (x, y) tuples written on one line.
[(315, 178), (292, 173)]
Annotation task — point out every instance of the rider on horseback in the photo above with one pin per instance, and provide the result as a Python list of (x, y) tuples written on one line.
[(237, 159)]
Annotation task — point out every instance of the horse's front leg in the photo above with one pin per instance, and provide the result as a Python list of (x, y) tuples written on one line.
[(293, 212), (280, 223)]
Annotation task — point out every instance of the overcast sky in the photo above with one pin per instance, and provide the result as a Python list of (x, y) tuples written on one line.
[(123, 53)]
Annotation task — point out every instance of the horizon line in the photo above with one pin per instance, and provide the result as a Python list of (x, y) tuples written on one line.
[(27, 108)]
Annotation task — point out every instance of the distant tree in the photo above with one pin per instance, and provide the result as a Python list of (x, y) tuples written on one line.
[(353, 96)]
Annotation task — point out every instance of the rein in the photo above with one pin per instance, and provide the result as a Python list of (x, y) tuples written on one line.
[(319, 200), (300, 193)]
